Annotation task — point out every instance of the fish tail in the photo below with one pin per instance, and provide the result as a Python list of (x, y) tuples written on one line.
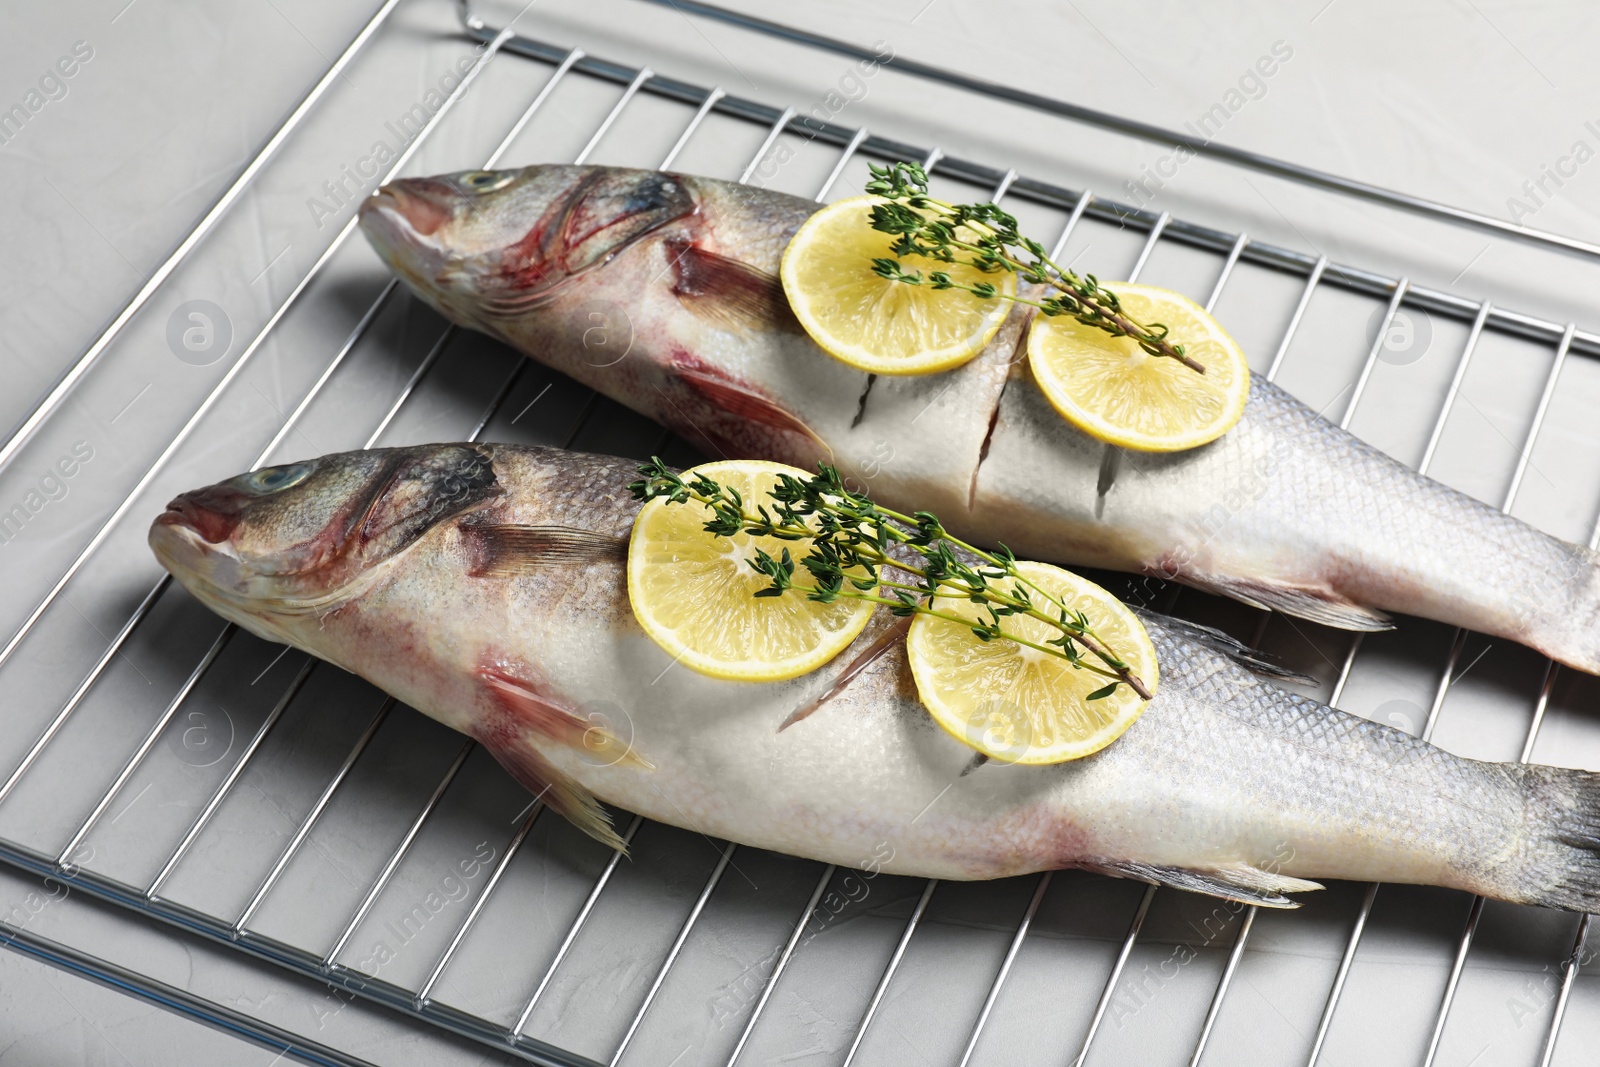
[(1558, 862), (1564, 623)]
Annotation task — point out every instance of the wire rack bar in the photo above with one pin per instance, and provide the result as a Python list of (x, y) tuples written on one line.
[(888, 971), (222, 791), (1157, 228), (1453, 982), (1261, 253), (1136, 926), (1455, 386), (1110, 988), (1569, 973), (1005, 967), (844, 159), (578, 923), (1400, 288), (425, 993), (304, 828), (778, 126), (65, 384), (1312, 280), (1348, 958), (281, 954), (1146, 132), (147, 604), (1228, 263), (398, 855), (717, 93), (172, 998), (677, 946), (160, 725), (1004, 186), (784, 956), (217, 391), (644, 75)]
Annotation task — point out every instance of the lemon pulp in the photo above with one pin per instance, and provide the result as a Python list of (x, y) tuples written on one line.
[(1113, 390), (694, 592), (875, 324), (1020, 705)]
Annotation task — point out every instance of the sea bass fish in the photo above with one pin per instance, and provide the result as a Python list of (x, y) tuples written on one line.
[(660, 291), (485, 585)]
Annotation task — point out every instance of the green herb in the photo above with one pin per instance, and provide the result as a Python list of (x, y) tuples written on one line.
[(852, 540), (983, 236)]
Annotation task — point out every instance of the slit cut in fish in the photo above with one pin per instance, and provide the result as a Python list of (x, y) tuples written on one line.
[(1286, 510), (1227, 784)]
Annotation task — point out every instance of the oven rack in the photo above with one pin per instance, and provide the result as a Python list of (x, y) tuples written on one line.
[(420, 999)]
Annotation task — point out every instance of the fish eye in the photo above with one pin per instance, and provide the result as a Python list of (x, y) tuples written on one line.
[(274, 479), (485, 181)]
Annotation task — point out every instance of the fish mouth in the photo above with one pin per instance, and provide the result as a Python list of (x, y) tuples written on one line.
[(211, 514), (190, 538), (414, 208)]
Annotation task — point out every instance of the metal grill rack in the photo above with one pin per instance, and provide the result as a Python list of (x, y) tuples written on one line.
[(565, 954)]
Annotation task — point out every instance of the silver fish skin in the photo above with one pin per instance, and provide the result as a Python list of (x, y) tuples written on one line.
[(485, 585), (660, 291)]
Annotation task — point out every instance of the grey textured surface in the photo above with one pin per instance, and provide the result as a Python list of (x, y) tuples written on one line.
[(1461, 102)]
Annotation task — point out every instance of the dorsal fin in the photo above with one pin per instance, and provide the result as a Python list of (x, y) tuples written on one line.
[(892, 635)]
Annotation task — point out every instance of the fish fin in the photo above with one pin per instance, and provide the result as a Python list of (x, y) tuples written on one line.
[(559, 792), (528, 711), (892, 634), (1249, 658), (730, 294), (1303, 602), (739, 400), (978, 760), (1558, 863), (1241, 882), (511, 551)]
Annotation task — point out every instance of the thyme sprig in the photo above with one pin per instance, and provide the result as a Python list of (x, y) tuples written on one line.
[(983, 236), (852, 541)]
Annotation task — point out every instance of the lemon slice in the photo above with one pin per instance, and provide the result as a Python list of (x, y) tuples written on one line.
[(872, 323), (694, 592), (1020, 705), (1112, 389)]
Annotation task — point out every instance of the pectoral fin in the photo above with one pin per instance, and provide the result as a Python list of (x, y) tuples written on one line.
[(511, 551), (1241, 882), (733, 295), (1320, 605)]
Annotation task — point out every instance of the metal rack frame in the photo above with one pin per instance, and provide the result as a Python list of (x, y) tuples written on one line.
[(850, 141)]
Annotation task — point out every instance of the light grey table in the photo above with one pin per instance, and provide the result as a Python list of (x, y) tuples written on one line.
[(1474, 104)]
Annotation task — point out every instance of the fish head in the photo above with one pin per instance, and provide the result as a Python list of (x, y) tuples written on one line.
[(485, 246), (278, 549)]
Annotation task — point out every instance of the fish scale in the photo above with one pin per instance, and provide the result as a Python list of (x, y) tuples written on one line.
[(1227, 783), (1285, 511)]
